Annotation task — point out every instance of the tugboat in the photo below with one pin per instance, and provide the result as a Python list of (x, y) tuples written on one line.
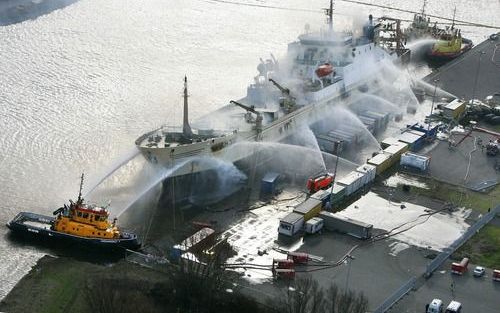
[(79, 222), (449, 46)]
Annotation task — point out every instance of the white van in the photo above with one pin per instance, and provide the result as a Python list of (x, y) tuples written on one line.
[(314, 225), (454, 307), (436, 306)]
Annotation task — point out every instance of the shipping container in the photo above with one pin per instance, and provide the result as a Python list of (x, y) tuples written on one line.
[(328, 144), (388, 141), (269, 184), (396, 151), (381, 161), (429, 131), (378, 123), (342, 224), (309, 208), (454, 109), (413, 160), (369, 172), (194, 243), (352, 182), (322, 195), (369, 123), (384, 116), (313, 225), (337, 194), (291, 224), (414, 139)]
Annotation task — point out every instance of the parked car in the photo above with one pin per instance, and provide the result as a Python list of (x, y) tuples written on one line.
[(454, 307), (479, 271), (436, 306)]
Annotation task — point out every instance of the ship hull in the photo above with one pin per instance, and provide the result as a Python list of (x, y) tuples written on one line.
[(37, 226)]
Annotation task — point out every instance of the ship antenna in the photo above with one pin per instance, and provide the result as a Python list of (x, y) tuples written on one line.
[(329, 13), (80, 192), (423, 7), (186, 129), (453, 22)]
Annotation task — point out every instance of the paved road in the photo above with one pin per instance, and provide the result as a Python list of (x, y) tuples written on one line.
[(459, 76), (475, 294)]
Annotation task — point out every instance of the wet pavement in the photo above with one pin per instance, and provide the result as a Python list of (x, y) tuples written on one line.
[(475, 294), (451, 164)]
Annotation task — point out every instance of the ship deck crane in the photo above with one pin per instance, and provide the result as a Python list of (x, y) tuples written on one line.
[(251, 109), (287, 101)]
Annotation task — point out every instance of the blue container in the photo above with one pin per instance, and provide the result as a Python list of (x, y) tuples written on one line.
[(269, 183)]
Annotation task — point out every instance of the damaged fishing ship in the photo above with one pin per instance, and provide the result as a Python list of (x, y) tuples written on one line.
[(322, 67)]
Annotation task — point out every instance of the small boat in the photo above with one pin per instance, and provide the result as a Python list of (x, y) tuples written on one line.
[(324, 70), (79, 222), (449, 46)]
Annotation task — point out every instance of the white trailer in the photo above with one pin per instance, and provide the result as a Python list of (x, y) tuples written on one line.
[(291, 224), (420, 162)]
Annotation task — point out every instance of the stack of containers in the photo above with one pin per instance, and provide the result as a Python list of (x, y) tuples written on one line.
[(396, 150), (309, 208), (322, 195), (337, 194), (352, 182), (369, 172), (388, 141), (381, 161), (414, 138)]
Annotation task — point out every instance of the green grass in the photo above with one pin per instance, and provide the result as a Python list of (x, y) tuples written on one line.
[(66, 285), (483, 248), (462, 197)]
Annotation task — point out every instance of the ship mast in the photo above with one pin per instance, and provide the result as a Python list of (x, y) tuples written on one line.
[(329, 13), (186, 129), (423, 7), (453, 22), (79, 201)]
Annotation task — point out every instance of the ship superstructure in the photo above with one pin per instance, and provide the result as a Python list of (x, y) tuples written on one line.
[(319, 68)]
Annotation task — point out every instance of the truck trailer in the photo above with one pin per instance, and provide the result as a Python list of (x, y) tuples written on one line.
[(343, 224)]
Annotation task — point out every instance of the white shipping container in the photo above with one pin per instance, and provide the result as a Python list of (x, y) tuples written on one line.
[(352, 182), (415, 160), (369, 172), (314, 225), (291, 224)]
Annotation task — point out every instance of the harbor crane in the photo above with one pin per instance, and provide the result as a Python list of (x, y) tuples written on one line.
[(248, 117), (287, 101)]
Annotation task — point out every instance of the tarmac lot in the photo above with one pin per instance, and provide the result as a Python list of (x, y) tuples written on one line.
[(450, 164), (475, 294)]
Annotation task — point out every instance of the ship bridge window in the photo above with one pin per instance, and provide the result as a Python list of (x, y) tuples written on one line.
[(79, 214), (85, 215)]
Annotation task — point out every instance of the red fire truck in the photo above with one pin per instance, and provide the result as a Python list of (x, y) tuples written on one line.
[(460, 268), (496, 275), (322, 181)]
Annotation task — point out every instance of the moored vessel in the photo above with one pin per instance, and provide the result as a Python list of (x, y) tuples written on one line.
[(78, 222), (319, 69)]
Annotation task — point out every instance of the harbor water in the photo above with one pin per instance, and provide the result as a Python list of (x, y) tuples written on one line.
[(80, 83)]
